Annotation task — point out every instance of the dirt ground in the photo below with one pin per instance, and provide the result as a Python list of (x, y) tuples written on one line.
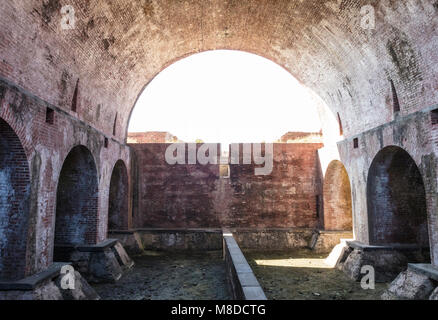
[(292, 275), (302, 275), (171, 276)]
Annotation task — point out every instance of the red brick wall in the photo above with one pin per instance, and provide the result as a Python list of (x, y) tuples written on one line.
[(182, 196), (173, 196), (285, 198), (46, 146)]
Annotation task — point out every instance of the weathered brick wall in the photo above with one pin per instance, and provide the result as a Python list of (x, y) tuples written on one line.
[(173, 196), (415, 134), (194, 196), (46, 147), (285, 198)]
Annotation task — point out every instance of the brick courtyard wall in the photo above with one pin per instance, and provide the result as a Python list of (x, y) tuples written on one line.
[(195, 196)]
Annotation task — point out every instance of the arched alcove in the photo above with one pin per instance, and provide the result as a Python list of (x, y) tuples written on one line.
[(14, 204), (118, 198), (77, 200), (396, 200), (337, 198)]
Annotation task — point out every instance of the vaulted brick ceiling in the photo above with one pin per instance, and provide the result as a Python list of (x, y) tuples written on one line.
[(118, 46)]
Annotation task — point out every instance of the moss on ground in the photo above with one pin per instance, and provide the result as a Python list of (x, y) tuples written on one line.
[(302, 275)]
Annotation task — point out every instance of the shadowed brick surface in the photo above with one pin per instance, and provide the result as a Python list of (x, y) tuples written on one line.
[(118, 198), (77, 196), (14, 204), (396, 199)]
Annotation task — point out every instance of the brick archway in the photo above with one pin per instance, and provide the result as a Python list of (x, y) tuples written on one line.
[(337, 198), (118, 205), (77, 200), (14, 204), (396, 200)]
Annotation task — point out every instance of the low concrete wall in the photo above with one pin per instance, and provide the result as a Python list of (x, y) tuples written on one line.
[(242, 281), (272, 238), (138, 240)]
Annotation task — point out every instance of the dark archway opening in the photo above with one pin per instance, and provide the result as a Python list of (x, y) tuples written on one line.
[(337, 198), (118, 205), (14, 204), (396, 200), (77, 200)]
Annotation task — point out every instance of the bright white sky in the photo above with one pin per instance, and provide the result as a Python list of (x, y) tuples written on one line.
[(225, 96)]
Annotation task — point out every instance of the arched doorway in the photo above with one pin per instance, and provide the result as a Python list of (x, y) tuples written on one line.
[(396, 200), (77, 200), (337, 198), (14, 204), (118, 198)]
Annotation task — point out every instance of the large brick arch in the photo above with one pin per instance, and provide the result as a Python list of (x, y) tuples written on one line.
[(396, 200), (337, 198), (14, 204), (118, 206), (77, 200), (124, 44)]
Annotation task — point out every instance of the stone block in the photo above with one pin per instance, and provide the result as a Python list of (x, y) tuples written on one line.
[(409, 285)]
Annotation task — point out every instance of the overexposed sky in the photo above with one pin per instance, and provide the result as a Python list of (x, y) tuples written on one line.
[(225, 96)]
